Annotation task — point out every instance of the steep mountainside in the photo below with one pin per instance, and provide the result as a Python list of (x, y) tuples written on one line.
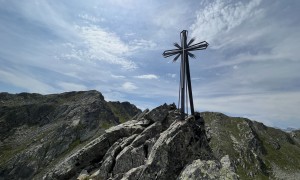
[(38, 130), (257, 151)]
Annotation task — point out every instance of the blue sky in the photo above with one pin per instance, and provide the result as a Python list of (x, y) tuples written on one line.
[(250, 69)]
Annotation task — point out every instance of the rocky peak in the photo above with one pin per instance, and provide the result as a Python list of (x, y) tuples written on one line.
[(153, 145)]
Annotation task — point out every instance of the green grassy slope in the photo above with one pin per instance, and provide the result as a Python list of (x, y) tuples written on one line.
[(258, 151)]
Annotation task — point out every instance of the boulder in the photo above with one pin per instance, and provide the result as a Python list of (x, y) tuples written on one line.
[(209, 169)]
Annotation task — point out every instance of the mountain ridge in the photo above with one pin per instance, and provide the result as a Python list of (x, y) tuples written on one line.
[(34, 127), (80, 135)]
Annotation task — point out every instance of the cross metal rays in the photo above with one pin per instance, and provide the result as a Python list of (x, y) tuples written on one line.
[(185, 77)]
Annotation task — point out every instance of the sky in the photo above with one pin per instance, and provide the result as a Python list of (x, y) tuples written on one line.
[(250, 68)]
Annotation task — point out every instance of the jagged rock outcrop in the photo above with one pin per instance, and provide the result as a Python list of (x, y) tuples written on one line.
[(154, 145), (38, 130)]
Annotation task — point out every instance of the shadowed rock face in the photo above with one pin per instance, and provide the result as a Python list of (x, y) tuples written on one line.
[(154, 145), (38, 130)]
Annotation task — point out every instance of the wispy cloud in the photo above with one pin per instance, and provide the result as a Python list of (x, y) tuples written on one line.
[(138, 44), (254, 65), (103, 46), (252, 60), (218, 18), (91, 18), (171, 75), (118, 76), (129, 34), (147, 76), (129, 86)]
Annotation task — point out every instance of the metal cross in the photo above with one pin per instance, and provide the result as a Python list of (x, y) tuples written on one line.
[(184, 51)]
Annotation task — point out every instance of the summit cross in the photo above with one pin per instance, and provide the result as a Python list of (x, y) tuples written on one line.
[(185, 77)]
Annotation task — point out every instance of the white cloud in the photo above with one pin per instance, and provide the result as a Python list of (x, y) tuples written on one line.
[(254, 53), (99, 44), (105, 46), (171, 75), (147, 76), (235, 67), (129, 86), (138, 44), (91, 18), (118, 76), (100, 40), (219, 17), (129, 34)]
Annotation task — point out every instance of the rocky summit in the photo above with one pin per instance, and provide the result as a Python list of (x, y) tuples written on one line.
[(153, 145), (129, 144)]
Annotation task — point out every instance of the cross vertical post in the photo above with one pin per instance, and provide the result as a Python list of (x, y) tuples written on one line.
[(190, 86), (183, 73), (185, 77)]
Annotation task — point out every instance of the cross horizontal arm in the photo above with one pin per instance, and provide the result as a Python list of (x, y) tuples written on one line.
[(171, 52), (201, 45), (199, 48), (202, 42), (165, 56)]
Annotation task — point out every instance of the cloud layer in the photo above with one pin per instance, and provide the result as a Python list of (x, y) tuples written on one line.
[(249, 69)]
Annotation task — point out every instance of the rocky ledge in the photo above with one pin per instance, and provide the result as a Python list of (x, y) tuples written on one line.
[(153, 145)]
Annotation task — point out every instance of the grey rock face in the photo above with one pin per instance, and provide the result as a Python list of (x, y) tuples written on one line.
[(158, 114), (182, 142), (93, 152), (156, 145)]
